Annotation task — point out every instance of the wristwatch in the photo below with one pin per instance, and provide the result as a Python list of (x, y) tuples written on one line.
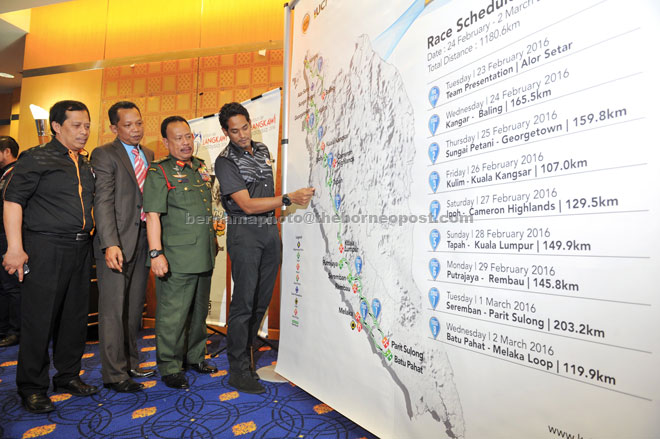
[(286, 200), (155, 253)]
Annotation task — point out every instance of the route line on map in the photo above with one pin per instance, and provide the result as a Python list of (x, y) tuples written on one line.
[(312, 126)]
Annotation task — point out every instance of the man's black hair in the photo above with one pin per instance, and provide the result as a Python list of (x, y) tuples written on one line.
[(169, 120), (9, 142), (230, 110), (59, 109), (113, 112)]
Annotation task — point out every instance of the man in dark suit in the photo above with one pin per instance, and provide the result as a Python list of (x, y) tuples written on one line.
[(120, 246)]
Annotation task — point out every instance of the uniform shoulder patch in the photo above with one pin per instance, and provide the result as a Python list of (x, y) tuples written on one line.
[(160, 160)]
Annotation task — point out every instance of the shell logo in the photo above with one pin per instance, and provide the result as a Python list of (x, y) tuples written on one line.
[(305, 23)]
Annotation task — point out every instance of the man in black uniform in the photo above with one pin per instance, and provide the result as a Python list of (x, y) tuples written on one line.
[(48, 220), (10, 297), (244, 171)]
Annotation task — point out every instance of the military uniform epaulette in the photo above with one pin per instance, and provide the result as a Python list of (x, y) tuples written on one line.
[(162, 159)]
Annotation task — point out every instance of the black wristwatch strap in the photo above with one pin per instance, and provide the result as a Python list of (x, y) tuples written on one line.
[(155, 253)]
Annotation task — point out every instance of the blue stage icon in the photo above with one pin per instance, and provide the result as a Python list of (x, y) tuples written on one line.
[(375, 308), (434, 268), (337, 202), (434, 94), (434, 297), (434, 150), (358, 265), (434, 237), (364, 309), (434, 324), (435, 209), (434, 181), (434, 121)]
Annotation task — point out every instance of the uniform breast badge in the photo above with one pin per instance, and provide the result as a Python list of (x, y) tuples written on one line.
[(204, 173), (178, 169)]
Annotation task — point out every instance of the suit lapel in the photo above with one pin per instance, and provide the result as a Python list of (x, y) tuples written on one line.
[(123, 158), (149, 155)]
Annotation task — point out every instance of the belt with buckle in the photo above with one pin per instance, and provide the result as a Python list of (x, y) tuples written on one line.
[(69, 236)]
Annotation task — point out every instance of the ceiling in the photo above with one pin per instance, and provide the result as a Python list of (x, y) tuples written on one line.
[(12, 42)]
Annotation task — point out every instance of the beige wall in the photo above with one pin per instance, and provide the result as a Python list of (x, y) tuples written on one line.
[(44, 91)]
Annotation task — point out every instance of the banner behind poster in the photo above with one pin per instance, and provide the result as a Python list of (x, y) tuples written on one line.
[(209, 142), (480, 259)]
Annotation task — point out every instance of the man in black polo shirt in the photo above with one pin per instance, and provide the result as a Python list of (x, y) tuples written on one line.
[(10, 295), (48, 220), (244, 171)]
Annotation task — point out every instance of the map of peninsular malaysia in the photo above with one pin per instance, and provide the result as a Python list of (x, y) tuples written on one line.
[(359, 136)]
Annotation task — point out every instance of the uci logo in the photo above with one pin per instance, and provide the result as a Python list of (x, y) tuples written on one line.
[(317, 10), (320, 7), (305, 23)]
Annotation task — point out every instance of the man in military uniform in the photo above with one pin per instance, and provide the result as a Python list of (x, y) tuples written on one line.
[(245, 173), (177, 201)]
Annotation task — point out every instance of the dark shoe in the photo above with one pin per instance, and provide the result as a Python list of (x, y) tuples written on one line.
[(10, 340), (76, 387), (254, 374), (37, 403), (204, 367), (141, 373), (176, 380), (244, 382), (126, 386)]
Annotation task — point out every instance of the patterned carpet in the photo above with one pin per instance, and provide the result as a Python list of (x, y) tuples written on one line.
[(209, 409)]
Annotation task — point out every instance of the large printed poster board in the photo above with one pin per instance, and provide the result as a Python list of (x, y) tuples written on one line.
[(480, 259), (209, 142)]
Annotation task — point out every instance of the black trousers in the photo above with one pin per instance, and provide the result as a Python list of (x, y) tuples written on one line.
[(10, 298), (255, 251), (55, 305)]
